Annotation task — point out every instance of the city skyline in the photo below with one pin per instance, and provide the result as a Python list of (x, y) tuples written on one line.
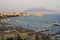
[(21, 5)]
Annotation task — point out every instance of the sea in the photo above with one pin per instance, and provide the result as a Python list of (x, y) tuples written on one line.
[(37, 23)]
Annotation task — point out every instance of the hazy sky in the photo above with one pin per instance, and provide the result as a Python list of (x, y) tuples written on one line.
[(26, 4)]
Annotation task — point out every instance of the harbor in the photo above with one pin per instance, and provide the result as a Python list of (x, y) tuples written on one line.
[(29, 20), (18, 33), (31, 29)]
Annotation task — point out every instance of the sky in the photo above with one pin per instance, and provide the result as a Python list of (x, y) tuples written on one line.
[(27, 4)]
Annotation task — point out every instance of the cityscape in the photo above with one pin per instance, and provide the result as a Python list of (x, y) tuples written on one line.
[(29, 20), (11, 32)]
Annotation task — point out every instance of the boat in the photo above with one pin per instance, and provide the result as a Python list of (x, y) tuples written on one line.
[(56, 24), (18, 21), (8, 19)]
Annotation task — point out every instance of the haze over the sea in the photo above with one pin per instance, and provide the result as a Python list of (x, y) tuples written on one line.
[(21, 5)]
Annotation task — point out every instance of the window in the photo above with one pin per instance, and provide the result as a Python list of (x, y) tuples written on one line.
[(9, 39)]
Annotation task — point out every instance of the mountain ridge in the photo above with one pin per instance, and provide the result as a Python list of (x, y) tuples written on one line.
[(40, 9)]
